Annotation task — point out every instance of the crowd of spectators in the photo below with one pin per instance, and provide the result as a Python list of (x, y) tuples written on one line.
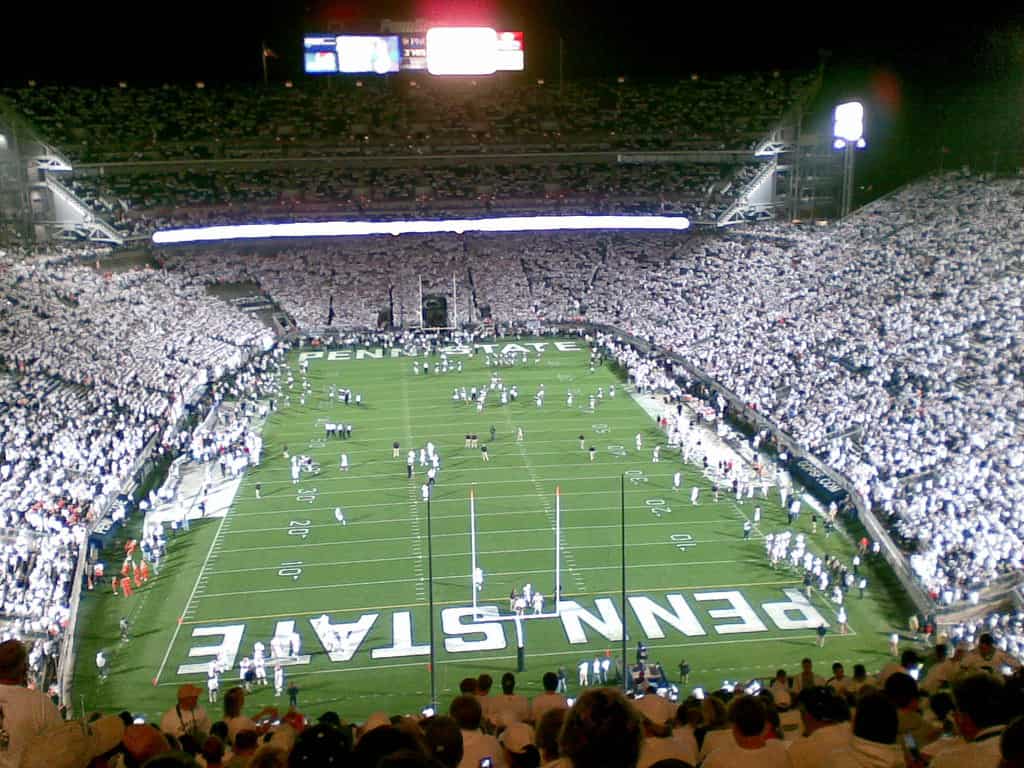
[(503, 124), (405, 115), (99, 367), (887, 345), (966, 716), (136, 202)]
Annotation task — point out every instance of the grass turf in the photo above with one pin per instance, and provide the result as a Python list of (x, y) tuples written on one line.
[(285, 558)]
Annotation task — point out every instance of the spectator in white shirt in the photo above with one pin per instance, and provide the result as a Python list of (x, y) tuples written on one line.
[(873, 745), (601, 729), (752, 748), (476, 745), (826, 726), (981, 716)]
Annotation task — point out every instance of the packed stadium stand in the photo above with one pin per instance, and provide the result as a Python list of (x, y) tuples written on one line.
[(353, 117), (146, 158), (887, 346)]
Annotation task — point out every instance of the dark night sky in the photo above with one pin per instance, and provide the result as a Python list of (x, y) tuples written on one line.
[(929, 79), (220, 39)]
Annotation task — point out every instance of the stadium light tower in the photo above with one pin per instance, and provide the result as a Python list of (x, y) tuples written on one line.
[(848, 135)]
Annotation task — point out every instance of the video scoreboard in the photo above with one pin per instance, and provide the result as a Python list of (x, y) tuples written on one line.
[(438, 50)]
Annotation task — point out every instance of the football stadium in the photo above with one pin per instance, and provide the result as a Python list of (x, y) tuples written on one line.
[(404, 406)]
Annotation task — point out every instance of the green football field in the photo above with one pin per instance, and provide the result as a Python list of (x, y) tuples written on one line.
[(696, 589)]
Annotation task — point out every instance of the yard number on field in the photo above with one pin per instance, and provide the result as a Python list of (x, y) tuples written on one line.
[(658, 506), (682, 541), (635, 476), (290, 569)]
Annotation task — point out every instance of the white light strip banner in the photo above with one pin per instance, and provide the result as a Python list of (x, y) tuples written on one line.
[(458, 226)]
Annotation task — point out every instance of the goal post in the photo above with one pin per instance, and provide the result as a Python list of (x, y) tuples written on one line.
[(476, 573)]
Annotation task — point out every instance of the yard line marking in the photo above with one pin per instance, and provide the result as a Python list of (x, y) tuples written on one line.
[(545, 498), (188, 603), (443, 500), (397, 606), (418, 566), (663, 521), (567, 652), (380, 424), (438, 556), (509, 513), (449, 579), (414, 512), (462, 470), (455, 452), (615, 527)]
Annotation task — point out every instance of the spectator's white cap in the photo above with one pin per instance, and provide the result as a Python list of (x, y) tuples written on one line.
[(72, 743)]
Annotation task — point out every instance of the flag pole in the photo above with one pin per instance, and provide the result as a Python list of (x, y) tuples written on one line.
[(263, 54)]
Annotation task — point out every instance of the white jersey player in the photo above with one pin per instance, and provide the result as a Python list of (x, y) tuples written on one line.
[(677, 481), (212, 682), (278, 679), (519, 605), (244, 666), (261, 670), (339, 515), (538, 603)]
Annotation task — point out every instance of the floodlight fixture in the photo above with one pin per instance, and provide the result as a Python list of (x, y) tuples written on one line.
[(848, 122), (848, 135)]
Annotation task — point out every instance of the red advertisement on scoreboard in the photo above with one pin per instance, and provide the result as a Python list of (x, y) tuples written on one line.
[(511, 53)]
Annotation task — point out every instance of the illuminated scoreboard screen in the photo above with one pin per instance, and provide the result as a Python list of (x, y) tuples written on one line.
[(351, 54), (414, 52), (438, 50)]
